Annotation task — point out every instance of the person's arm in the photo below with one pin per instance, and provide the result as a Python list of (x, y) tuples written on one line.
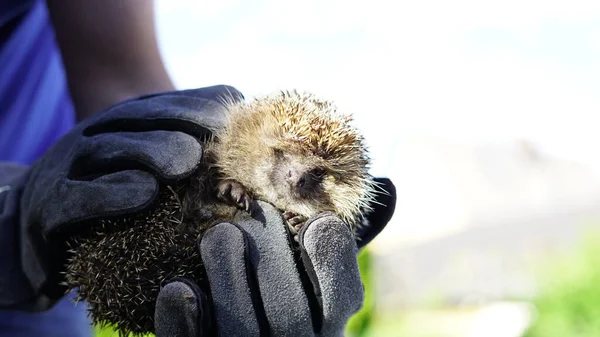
[(110, 51)]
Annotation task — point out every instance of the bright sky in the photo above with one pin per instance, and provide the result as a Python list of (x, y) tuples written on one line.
[(467, 71)]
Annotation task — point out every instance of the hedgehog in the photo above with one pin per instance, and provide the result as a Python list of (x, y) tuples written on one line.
[(290, 149)]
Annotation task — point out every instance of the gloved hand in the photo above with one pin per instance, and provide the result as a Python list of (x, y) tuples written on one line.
[(260, 286), (383, 210), (110, 164)]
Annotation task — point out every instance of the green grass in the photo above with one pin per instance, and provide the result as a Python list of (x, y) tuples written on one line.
[(569, 302), (361, 322)]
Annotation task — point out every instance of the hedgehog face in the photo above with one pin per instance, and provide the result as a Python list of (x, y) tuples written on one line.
[(298, 176), (298, 153)]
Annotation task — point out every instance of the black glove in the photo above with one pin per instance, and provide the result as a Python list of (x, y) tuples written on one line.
[(110, 164), (261, 286), (383, 210)]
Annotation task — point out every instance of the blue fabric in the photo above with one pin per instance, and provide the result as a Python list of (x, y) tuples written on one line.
[(35, 107), (35, 111)]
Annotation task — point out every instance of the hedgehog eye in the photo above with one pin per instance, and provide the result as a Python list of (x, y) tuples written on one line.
[(318, 172)]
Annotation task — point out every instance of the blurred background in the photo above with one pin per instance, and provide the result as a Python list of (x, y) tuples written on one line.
[(483, 113)]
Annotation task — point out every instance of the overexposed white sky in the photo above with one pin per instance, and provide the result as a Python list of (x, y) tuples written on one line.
[(466, 70)]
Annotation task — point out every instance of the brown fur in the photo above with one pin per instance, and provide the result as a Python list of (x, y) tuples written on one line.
[(310, 133)]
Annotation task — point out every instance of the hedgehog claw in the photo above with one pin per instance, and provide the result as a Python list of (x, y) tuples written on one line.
[(246, 205), (232, 192), (294, 222), (224, 190)]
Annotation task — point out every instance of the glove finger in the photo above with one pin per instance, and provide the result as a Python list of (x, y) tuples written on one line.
[(182, 310), (189, 111), (287, 304), (169, 154), (110, 195), (329, 254), (216, 93), (383, 210), (236, 304)]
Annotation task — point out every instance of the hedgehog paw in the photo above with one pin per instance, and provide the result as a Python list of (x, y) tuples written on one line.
[(232, 192), (294, 222)]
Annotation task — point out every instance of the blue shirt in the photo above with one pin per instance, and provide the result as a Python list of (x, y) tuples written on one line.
[(35, 111)]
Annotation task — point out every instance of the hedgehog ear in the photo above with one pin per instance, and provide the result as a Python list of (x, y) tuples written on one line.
[(375, 221)]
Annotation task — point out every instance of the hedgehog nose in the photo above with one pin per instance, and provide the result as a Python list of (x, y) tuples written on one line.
[(294, 178)]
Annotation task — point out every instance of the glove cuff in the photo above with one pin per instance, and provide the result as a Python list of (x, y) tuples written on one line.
[(21, 277)]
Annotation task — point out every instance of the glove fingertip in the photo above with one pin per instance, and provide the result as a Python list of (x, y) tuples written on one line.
[(225, 252), (381, 214), (326, 225), (386, 202), (217, 92), (181, 310), (329, 254)]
